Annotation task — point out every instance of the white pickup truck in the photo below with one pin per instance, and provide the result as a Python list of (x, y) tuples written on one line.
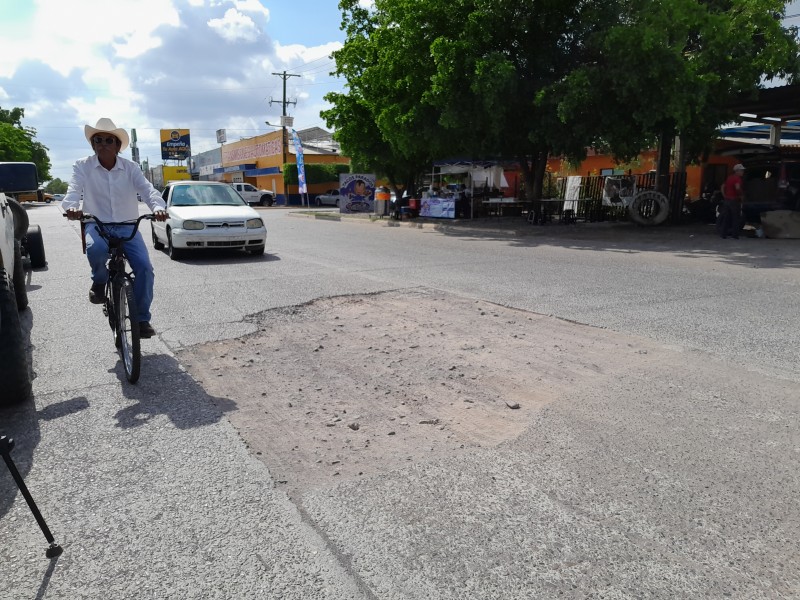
[(254, 196)]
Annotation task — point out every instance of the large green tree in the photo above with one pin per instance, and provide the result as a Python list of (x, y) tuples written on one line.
[(18, 143), (669, 68), (380, 121), (430, 79)]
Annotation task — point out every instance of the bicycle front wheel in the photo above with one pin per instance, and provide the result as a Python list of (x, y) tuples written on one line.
[(128, 330)]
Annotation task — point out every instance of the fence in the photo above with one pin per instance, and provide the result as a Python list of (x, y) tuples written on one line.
[(590, 192)]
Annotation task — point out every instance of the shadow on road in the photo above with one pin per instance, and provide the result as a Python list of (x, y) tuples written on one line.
[(693, 240), (165, 389), (223, 257)]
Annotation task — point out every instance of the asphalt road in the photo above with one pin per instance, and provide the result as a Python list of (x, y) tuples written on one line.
[(675, 481)]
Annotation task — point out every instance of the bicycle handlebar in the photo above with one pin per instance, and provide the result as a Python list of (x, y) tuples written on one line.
[(89, 218)]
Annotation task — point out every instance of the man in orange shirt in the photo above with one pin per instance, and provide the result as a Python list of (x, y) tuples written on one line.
[(730, 211)]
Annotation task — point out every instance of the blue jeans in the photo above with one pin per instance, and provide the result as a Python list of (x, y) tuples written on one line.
[(138, 258)]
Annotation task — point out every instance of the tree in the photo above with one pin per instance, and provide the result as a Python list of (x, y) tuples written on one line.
[(17, 143), (380, 122), (673, 67), (56, 186), (505, 79)]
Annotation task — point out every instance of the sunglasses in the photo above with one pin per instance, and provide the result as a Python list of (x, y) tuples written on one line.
[(98, 139)]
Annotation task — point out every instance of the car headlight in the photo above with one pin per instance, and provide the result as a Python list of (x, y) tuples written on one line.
[(254, 223), (194, 225)]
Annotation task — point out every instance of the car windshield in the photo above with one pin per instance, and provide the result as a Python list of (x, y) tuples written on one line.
[(205, 195)]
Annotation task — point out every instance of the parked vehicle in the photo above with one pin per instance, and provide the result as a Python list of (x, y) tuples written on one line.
[(207, 214), (19, 243), (332, 197), (254, 196), (33, 196)]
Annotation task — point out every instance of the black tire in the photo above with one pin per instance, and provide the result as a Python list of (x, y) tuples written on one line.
[(128, 331), (318, 201), (14, 373), (649, 208), (21, 220), (157, 244), (35, 247), (266, 200), (20, 291), (256, 251), (174, 253)]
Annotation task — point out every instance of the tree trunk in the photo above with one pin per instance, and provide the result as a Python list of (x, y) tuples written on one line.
[(533, 174), (664, 154), (526, 173)]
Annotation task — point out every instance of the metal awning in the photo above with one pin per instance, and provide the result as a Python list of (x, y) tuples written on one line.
[(769, 105)]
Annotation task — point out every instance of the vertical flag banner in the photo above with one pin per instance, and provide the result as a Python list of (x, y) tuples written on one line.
[(301, 164)]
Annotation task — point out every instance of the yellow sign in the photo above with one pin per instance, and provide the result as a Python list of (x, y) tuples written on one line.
[(176, 173)]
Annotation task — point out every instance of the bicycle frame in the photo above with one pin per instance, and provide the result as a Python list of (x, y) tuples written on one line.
[(120, 303)]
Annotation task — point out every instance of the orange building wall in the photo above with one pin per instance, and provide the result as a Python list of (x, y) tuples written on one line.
[(595, 164)]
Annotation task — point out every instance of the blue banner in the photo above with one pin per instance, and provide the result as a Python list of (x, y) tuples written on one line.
[(301, 165)]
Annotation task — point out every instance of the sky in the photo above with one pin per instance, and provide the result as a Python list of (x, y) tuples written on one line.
[(200, 65), (148, 65)]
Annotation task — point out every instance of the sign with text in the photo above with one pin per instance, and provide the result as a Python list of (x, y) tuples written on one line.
[(175, 144), (358, 189)]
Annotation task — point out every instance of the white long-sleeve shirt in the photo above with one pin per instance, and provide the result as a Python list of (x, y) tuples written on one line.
[(110, 195)]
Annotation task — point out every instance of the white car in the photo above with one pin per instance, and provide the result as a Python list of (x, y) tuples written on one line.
[(330, 198), (207, 214)]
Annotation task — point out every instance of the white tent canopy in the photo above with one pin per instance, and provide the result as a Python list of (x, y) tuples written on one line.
[(479, 175)]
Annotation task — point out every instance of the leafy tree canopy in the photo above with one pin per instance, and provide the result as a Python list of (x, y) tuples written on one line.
[(18, 143), (433, 79)]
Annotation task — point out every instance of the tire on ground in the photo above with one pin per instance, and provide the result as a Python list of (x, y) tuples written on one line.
[(14, 372), (157, 244), (21, 220), (35, 246), (649, 208), (20, 291)]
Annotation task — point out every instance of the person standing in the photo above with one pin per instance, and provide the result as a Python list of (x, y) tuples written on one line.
[(730, 212), (106, 185)]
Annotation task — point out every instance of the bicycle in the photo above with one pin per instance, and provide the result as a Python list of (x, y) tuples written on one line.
[(119, 303)]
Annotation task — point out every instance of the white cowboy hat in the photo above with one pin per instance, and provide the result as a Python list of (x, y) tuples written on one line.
[(739, 167), (106, 125)]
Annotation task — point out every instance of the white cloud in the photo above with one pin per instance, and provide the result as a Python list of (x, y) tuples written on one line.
[(299, 54), (153, 64), (251, 6), (234, 27)]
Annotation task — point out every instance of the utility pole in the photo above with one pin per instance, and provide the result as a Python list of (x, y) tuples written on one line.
[(284, 102)]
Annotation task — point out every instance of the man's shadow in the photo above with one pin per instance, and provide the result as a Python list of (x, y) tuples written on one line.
[(165, 389)]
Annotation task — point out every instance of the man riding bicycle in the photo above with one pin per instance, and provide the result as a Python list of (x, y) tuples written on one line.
[(106, 185)]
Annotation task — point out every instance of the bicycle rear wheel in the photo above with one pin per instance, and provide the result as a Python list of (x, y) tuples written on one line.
[(128, 330)]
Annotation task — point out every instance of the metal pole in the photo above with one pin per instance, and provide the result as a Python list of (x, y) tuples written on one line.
[(6, 445)]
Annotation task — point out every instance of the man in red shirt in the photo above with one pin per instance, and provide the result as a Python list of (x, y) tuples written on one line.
[(730, 211)]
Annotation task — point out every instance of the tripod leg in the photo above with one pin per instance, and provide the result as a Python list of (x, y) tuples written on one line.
[(6, 445)]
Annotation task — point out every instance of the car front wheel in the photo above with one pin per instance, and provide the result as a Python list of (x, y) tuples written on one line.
[(174, 253), (266, 200), (157, 244)]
